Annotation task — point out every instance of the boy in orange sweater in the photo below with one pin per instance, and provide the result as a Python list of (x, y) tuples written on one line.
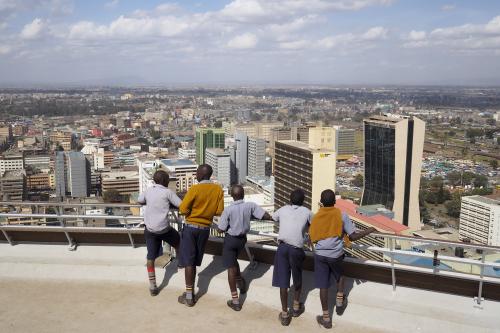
[(202, 202), (328, 227)]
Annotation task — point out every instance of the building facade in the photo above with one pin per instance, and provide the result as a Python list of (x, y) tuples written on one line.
[(300, 166), (72, 175), (208, 138), (220, 161), (480, 220), (393, 162), (11, 162)]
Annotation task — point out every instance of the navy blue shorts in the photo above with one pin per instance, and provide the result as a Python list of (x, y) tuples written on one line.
[(153, 241), (193, 241), (231, 249), (324, 268), (288, 261)]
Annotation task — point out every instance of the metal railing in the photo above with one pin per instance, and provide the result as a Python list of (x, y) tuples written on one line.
[(396, 247)]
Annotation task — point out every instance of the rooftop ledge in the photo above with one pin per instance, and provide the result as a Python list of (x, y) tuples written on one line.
[(105, 289)]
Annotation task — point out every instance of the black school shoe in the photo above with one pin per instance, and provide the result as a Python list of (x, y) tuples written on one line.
[(323, 322), (300, 311), (235, 307), (285, 321), (183, 300), (155, 291)]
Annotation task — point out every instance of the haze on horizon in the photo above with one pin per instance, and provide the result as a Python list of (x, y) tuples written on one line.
[(428, 42)]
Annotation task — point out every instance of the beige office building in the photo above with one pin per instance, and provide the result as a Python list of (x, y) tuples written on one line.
[(393, 163), (125, 182), (300, 166), (480, 220)]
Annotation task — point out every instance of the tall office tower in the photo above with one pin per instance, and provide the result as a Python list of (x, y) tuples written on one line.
[(480, 220), (322, 138), (393, 161), (256, 157), (208, 138), (241, 161), (250, 157), (345, 142), (299, 166), (72, 174), (78, 175), (220, 161)]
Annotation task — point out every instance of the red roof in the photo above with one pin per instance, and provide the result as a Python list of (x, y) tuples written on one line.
[(380, 222)]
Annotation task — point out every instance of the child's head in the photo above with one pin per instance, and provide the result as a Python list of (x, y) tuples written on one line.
[(297, 197), (237, 192), (161, 177), (327, 198)]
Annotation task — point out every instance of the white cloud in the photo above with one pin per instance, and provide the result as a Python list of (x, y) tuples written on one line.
[(375, 33), (351, 40), (417, 35), (295, 45), (244, 41), (33, 30), (259, 10), (476, 37)]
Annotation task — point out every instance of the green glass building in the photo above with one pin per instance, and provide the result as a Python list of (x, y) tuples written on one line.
[(208, 138)]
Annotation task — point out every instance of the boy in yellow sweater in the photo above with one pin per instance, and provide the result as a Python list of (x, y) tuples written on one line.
[(328, 227), (202, 202)]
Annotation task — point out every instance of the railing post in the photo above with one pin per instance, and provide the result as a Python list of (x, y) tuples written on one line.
[(7, 237), (72, 245), (393, 272), (128, 230), (481, 276)]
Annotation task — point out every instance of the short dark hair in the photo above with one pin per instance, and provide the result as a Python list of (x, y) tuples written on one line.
[(237, 191), (328, 198), (161, 177), (206, 171), (297, 197)]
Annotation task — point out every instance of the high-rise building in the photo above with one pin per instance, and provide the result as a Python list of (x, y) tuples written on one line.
[(299, 166), (220, 161), (241, 161), (480, 220), (256, 157), (345, 142), (393, 161), (322, 138), (72, 174), (208, 138), (78, 175), (250, 157)]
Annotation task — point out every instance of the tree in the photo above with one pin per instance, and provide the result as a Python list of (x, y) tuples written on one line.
[(491, 122), (454, 178), (453, 206), (112, 196), (218, 124), (480, 181), (494, 164), (436, 182), (358, 180)]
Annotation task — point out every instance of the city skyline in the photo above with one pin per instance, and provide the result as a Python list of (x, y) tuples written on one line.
[(63, 42)]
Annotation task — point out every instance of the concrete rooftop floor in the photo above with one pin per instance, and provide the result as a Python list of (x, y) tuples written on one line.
[(46, 288)]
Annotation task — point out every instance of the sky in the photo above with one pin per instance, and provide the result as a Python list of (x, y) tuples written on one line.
[(337, 42)]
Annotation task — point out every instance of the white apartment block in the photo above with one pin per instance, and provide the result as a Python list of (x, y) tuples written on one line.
[(11, 163), (186, 154), (480, 220)]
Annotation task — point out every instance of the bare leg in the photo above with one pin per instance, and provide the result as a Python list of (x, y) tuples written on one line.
[(284, 300), (190, 275)]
